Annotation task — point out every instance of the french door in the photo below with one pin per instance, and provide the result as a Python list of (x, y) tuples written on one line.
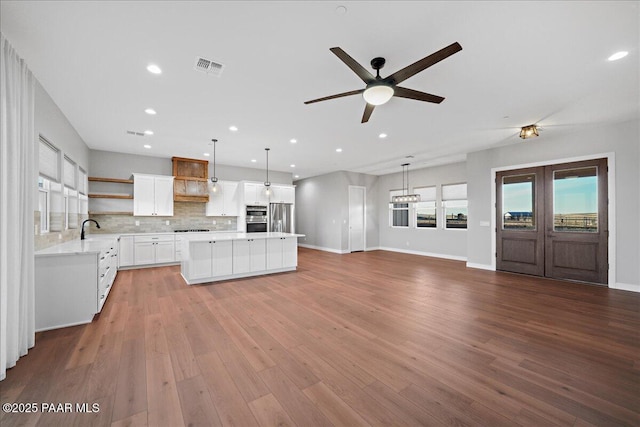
[(552, 221)]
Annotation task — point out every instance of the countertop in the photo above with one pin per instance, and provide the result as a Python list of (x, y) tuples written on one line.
[(198, 237), (96, 243)]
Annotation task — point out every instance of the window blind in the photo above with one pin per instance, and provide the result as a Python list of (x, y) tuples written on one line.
[(49, 160), (69, 173)]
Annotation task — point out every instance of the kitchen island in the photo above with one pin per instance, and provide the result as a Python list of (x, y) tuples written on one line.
[(211, 257), (73, 280)]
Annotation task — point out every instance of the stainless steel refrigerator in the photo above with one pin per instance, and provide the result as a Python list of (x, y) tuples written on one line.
[(281, 217)]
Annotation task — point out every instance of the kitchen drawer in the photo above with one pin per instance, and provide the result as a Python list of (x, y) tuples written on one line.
[(154, 238)]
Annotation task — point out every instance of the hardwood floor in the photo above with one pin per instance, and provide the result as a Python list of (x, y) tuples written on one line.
[(373, 338)]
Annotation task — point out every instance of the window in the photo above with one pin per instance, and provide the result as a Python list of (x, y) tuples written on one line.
[(69, 173), (82, 181), (425, 210), (43, 204), (454, 204), (398, 212), (49, 160)]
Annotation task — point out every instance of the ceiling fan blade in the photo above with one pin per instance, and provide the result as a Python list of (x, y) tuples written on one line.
[(339, 95), (403, 92), (362, 72), (367, 112), (424, 63)]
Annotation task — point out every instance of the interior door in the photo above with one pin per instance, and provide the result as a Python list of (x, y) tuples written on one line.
[(577, 221), (520, 221), (356, 218), (552, 221)]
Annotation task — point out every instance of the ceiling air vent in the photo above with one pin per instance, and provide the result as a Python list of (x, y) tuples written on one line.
[(208, 66), (130, 132)]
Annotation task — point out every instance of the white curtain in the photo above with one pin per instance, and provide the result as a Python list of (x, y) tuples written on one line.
[(17, 189)]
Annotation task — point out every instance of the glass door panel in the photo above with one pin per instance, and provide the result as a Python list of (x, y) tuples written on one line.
[(575, 200), (518, 202)]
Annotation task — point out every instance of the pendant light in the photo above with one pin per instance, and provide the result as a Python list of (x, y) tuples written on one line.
[(405, 197), (267, 184), (214, 178)]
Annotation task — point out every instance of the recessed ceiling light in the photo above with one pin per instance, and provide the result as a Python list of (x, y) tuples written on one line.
[(382, 135), (148, 132), (154, 69), (253, 160), (146, 146), (293, 166), (150, 111), (338, 150), (293, 140), (341, 10), (618, 55), (205, 154), (296, 176), (233, 128)]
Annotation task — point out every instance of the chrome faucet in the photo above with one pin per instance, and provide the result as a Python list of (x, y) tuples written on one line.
[(83, 223)]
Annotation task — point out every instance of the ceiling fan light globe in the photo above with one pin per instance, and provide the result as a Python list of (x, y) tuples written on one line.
[(377, 94)]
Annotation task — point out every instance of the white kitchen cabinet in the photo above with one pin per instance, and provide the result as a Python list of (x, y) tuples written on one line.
[(223, 202), (255, 194), (154, 249), (152, 195), (249, 255), (71, 287), (282, 194), (209, 259), (125, 258), (282, 252)]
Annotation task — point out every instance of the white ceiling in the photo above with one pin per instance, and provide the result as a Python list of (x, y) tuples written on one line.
[(521, 63)]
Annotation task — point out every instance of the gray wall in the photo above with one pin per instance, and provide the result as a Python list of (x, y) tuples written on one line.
[(559, 144), (52, 124), (108, 164), (322, 210), (433, 241)]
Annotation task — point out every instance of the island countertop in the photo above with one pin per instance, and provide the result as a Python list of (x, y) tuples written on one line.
[(196, 237)]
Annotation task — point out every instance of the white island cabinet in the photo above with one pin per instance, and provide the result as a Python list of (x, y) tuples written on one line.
[(73, 280), (211, 257)]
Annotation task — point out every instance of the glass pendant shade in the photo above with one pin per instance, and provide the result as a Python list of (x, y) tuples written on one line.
[(377, 94)]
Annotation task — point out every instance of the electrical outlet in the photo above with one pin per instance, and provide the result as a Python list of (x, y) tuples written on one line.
[(213, 222), (229, 221), (35, 230), (59, 236), (137, 223), (167, 222)]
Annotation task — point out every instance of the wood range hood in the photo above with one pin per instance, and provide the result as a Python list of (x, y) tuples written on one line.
[(191, 182)]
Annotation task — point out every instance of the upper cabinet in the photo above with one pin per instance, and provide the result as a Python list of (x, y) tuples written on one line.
[(152, 195), (191, 180), (255, 194), (282, 194), (224, 201)]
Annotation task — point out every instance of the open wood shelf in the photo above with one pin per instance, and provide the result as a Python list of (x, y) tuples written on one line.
[(115, 180), (110, 196)]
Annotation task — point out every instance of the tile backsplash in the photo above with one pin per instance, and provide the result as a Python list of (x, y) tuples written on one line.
[(51, 238), (186, 215)]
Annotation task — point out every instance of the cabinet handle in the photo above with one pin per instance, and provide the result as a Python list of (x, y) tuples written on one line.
[(102, 275), (101, 296)]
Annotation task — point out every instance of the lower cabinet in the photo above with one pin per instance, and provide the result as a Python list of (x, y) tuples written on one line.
[(154, 249), (125, 258), (210, 259), (70, 288), (282, 252), (249, 255)]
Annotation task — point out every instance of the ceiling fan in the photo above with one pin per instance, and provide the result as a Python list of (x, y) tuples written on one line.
[(379, 90)]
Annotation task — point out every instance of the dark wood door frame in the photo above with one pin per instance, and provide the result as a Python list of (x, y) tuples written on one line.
[(563, 252)]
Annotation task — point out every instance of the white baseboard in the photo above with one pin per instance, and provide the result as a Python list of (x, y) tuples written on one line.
[(320, 248), (626, 287), (430, 254), (481, 266)]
